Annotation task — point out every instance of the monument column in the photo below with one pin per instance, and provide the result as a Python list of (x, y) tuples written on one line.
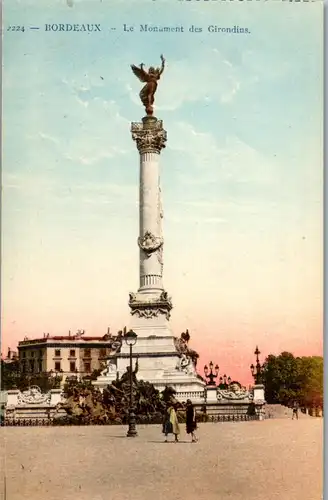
[(162, 360), (150, 138), (151, 299)]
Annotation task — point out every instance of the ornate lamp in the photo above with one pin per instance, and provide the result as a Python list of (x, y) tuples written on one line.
[(224, 382), (130, 338), (257, 370), (210, 374)]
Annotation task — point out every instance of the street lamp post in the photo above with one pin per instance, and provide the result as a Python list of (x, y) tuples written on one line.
[(224, 382), (258, 368), (210, 375), (130, 339)]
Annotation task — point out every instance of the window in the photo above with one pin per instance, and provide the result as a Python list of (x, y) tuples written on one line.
[(24, 354), (32, 354), (32, 365), (57, 366), (72, 366), (72, 353), (87, 367), (24, 366), (57, 353), (87, 353), (40, 354), (40, 366)]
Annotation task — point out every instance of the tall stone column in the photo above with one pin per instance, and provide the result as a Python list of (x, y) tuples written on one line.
[(151, 300)]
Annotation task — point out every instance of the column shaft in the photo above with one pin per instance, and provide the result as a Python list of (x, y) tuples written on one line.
[(149, 223)]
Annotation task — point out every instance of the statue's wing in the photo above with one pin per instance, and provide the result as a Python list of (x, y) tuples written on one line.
[(140, 73)]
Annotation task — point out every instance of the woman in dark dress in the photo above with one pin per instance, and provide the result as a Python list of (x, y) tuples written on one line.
[(167, 425), (191, 424)]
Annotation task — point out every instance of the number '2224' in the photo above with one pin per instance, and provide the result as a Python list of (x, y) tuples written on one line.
[(16, 28)]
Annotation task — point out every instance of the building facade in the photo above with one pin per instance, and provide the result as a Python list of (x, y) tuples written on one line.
[(64, 355)]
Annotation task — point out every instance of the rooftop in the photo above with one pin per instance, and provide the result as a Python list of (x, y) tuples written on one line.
[(66, 338)]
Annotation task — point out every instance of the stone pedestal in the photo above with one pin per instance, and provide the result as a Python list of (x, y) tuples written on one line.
[(12, 397), (56, 396), (258, 391), (259, 401), (211, 394)]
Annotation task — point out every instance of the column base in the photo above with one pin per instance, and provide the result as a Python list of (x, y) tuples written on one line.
[(150, 305)]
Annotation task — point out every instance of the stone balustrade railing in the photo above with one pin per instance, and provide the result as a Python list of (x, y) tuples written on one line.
[(193, 395)]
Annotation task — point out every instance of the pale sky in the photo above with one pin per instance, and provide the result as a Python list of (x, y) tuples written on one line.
[(242, 173)]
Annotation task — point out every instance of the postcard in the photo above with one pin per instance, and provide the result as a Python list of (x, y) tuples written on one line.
[(162, 250)]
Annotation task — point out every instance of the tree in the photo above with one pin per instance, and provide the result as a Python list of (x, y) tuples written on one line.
[(312, 381), (290, 379), (10, 375), (281, 378), (13, 378)]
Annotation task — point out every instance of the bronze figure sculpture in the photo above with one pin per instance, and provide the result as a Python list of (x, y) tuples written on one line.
[(150, 78)]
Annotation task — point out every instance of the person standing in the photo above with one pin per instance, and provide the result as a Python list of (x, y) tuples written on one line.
[(295, 411), (191, 424), (170, 423), (175, 423), (167, 426)]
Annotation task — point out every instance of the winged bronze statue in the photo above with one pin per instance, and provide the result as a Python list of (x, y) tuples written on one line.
[(151, 78)]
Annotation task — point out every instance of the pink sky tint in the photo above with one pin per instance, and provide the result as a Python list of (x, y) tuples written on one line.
[(229, 344)]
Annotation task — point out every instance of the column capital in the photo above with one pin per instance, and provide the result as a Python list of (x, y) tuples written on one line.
[(149, 135)]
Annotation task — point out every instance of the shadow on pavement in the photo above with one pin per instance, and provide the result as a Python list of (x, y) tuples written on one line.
[(168, 442)]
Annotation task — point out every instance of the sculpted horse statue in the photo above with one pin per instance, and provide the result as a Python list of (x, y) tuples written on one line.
[(94, 409), (71, 406)]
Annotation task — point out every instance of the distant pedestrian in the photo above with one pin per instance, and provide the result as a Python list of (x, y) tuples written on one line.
[(191, 424), (204, 413), (295, 411), (170, 423)]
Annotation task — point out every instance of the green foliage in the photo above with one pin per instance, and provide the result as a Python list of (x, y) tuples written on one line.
[(10, 375), (13, 378), (290, 380), (312, 381)]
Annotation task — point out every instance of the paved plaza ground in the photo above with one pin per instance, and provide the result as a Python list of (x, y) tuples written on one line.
[(276, 459)]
